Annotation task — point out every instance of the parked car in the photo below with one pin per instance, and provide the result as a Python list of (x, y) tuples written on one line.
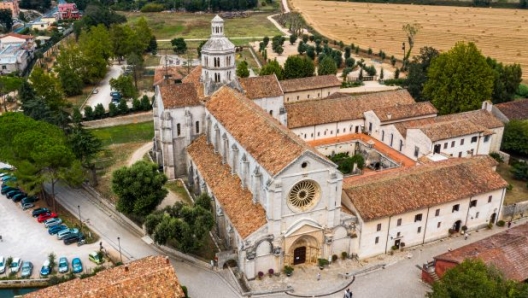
[(77, 265), (116, 96), (39, 211), (95, 91), (2, 264), (10, 194), (27, 269), (55, 229), (52, 222), (19, 197), (31, 199), (46, 269), (15, 265), (72, 238), (63, 265), (63, 234), (26, 206), (7, 177), (6, 189), (96, 257), (44, 216)]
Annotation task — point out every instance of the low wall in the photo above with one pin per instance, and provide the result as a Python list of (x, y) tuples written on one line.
[(23, 283), (121, 120)]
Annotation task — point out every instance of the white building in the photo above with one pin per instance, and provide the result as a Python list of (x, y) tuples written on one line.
[(16, 51), (278, 200)]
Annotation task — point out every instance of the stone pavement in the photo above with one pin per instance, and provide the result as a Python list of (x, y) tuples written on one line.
[(398, 278)]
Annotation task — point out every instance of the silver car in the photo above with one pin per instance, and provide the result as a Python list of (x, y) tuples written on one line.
[(27, 269), (52, 222)]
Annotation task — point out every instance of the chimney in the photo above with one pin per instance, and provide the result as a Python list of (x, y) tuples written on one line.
[(389, 116), (126, 268), (166, 259)]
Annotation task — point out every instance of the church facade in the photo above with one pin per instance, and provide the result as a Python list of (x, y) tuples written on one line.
[(278, 199)]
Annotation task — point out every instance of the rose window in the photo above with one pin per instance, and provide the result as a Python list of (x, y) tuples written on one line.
[(304, 195)]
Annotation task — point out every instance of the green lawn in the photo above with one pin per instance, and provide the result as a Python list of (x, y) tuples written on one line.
[(137, 132), (176, 187), (190, 25), (519, 192)]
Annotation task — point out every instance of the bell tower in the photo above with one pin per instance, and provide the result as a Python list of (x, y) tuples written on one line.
[(217, 58)]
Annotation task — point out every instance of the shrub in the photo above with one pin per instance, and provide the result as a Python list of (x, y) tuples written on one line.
[(394, 247), (322, 262), (146, 105), (288, 270), (501, 223), (519, 171), (351, 84), (344, 255), (99, 112), (464, 228), (490, 226), (271, 271), (88, 113), (112, 110), (509, 187), (451, 231), (260, 274), (349, 62), (136, 104), (496, 156), (184, 289), (152, 7), (394, 82), (397, 74), (334, 258), (123, 107)]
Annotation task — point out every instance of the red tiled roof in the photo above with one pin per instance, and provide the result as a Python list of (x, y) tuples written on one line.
[(152, 276), (399, 112), (271, 144), (173, 73), (194, 78), (450, 129), (179, 95), (261, 87), (310, 83), (514, 110), (407, 189), (237, 202), (507, 251), (314, 112)]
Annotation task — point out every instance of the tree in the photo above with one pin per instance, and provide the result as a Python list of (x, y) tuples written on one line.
[(95, 14), (327, 67), (140, 188), (459, 80), (515, 138), (298, 67), (85, 146), (310, 52), (472, 278), (199, 49), (273, 67), (506, 80), (242, 70), (417, 76), (143, 35), (137, 63), (6, 19), (89, 113), (112, 110), (410, 30), (122, 107), (96, 48), (145, 104), (382, 75), (9, 84), (99, 111), (136, 105), (179, 45), (76, 116), (153, 45), (124, 85), (347, 52), (350, 62), (69, 67), (293, 38)]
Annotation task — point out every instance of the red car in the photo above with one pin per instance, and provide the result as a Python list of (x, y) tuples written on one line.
[(46, 215)]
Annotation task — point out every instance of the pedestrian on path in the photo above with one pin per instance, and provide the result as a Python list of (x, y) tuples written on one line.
[(318, 276), (509, 224)]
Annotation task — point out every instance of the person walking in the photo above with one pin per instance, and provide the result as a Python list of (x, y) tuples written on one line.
[(509, 224), (318, 276)]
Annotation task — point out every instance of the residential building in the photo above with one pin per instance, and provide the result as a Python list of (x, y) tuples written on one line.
[(506, 111), (152, 276), (67, 11), (310, 88), (505, 251), (16, 51), (11, 5)]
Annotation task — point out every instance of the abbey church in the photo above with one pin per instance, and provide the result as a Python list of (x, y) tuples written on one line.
[(260, 148)]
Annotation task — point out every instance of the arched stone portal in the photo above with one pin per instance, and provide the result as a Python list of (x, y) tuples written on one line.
[(304, 250)]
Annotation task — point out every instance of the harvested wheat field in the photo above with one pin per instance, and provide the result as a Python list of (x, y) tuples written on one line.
[(498, 33)]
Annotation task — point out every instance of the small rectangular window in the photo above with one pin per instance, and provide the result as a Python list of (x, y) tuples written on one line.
[(477, 214), (337, 131), (461, 142), (452, 144), (416, 151), (456, 208), (473, 203), (378, 228), (439, 224), (178, 129), (474, 139), (398, 223), (398, 235), (459, 154), (489, 199), (308, 95), (376, 241), (418, 217), (419, 230), (197, 126), (486, 139), (318, 133), (445, 145), (437, 212)]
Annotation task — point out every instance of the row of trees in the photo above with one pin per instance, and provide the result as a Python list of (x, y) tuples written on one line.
[(113, 110)]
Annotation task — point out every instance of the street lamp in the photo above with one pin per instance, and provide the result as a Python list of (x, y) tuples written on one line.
[(80, 220), (120, 256)]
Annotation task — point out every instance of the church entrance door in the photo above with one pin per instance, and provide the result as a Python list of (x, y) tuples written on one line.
[(299, 255)]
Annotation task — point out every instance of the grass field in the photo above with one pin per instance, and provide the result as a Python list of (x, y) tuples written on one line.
[(519, 192), (190, 25), (499, 33), (130, 133)]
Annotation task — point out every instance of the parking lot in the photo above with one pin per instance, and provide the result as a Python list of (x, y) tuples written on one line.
[(23, 237)]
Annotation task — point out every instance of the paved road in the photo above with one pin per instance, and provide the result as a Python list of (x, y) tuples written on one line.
[(103, 95), (200, 282)]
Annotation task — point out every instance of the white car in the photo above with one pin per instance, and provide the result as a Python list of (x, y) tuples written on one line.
[(15, 265), (2, 264)]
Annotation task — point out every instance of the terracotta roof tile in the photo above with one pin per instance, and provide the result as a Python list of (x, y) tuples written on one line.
[(261, 87), (152, 276), (507, 251), (405, 111), (194, 78), (271, 144), (407, 189), (237, 202), (179, 95), (514, 110), (310, 83), (450, 129), (313, 112), (173, 73)]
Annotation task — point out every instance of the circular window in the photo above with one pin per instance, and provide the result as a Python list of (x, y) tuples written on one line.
[(304, 165), (304, 195)]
